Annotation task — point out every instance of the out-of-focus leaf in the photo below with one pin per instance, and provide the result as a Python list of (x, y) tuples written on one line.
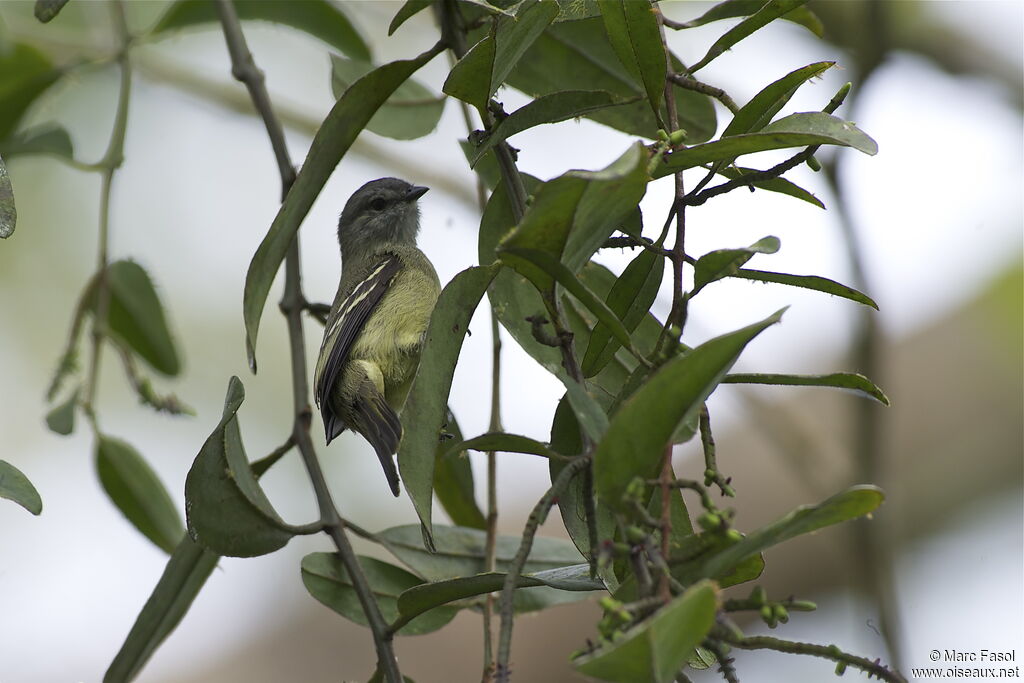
[(226, 508), (411, 112), (635, 442), (635, 36), (136, 490), (780, 185), (483, 69), (61, 419), (854, 502), (795, 130), (819, 284), (656, 648), (577, 54), (426, 406), (506, 443), (14, 485), (689, 557), (742, 8), (319, 18), (8, 212), (771, 10), (188, 568), (25, 73), (337, 133), (46, 139), (453, 479), (725, 262), (558, 106), (327, 580), (839, 380), (763, 106), (406, 12), (135, 316), (45, 10)]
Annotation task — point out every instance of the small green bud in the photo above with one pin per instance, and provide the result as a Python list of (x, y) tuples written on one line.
[(662, 135), (635, 534), (621, 549), (709, 521), (840, 668), (803, 606), (677, 137), (768, 615), (609, 603), (813, 163), (734, 535), (781, 614)]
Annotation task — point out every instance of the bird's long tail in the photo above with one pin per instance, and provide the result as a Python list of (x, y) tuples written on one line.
[(379, 424)]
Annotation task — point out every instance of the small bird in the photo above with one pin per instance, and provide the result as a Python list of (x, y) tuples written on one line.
[(375, 330)]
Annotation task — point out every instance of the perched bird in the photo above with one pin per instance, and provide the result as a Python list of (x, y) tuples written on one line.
[(376, 326)]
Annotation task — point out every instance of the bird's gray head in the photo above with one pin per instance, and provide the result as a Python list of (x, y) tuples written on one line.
[(382, 210)]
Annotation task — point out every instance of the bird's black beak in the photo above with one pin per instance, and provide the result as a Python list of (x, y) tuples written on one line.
[(415, 193)]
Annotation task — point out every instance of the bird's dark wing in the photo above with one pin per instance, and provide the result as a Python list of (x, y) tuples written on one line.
[(344, 328)]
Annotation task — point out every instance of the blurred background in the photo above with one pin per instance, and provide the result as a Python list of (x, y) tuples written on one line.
[(937, 214)]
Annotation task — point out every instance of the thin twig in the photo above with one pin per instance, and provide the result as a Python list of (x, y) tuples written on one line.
[(831, 652), (712, 475), (293, 303), (693, 84)]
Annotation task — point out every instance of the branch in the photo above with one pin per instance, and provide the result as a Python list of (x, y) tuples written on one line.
[(292, 304), (830, 652), (697, 86)]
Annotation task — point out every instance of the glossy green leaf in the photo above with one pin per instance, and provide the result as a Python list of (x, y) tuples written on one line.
[(763, 106), (773, 9), (46, 10), (25, 73), (656, 648), (408, 10), (327, 580), (818, 284), (796, 130), (690, 554), (483, 69), (426, 596), (426, 406), (332, 140), (136, 490), (319, 18), (574, 10), (462, 552), (453, 478), (552, 108), (8, 212), (61, 419), (505, 443), (226, 508), (411, 112), (635, 36), (135, 316), (725, 262), (636, 439), (589, 414), (839, 380), (779, 185), (46, 139), (575, 55), (630, 299), (742, 8), (854, 502), (188, 568), (14, 485)]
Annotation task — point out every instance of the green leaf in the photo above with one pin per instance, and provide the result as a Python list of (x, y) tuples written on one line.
[(780, 185), (689, 556), (630, 299), (741, 8), (335, 135), (61, 419), (756, 113), (135, 316), (188, 568), (589, 414), (483, 69), (25, 73), (725, 262), (796, 130), (558, 106), (574, 10), (819, 284), (636, 439), (635, 36), (45, 10), (411, 112), (577, 54), (426, 596), (326, 580), (136, 490), (47, 139), (771, 10), (659, 646), (453, 479), (839, 380), (426, 406), (318, 18), (505, 443), (15, 486), (409, 9), (8, 212), (849, 504), (226, 508)]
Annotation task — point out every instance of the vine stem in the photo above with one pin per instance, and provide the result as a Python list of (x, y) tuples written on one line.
[(831, 652), (244, 69)]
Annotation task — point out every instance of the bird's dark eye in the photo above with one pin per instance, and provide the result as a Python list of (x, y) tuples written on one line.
[(378, 204)]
